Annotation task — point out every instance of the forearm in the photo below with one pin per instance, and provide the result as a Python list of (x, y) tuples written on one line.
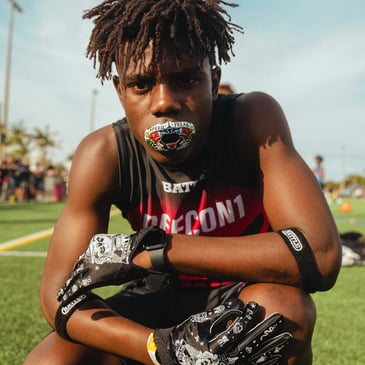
[(257, 258), (96, 325), (262, 257)]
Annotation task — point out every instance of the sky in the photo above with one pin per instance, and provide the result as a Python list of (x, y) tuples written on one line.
[(309, 55)]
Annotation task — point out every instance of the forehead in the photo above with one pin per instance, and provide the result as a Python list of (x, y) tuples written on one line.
[(167, 59)]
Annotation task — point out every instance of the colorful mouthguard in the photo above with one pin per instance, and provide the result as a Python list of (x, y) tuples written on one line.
[(170, 136)]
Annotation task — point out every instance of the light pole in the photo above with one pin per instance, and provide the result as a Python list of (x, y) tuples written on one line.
[(1, 137), (92, 109), (13, 6), (343, 163)]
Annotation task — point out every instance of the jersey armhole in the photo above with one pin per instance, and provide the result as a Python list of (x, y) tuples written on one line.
[(123, 180)]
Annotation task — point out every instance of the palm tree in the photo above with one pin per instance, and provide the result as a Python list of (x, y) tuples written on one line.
[(44, 141), (18, 138)]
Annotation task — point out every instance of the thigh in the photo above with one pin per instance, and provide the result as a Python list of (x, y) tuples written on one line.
[(161, 309), (57, 351), (299, 312), (151, 309), (170, 306)]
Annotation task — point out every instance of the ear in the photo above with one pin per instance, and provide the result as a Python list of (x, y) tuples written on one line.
[(216, 79), (118, 88)]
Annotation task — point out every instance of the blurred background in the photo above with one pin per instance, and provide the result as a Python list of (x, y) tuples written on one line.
[(308, 55)]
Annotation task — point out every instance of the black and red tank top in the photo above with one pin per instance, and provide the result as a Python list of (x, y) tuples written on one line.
[(215, 195)]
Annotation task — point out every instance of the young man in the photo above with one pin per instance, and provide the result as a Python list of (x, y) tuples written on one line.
[(219, 176)]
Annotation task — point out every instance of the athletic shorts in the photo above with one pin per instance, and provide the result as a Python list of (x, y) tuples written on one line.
[(165, 304)]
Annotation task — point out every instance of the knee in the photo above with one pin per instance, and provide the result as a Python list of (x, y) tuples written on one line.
[(28, 360), (33, 359), (39, 356), (299, 312), (55, 351)]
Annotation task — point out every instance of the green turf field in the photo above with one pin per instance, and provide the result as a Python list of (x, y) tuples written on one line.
[(339, 334)]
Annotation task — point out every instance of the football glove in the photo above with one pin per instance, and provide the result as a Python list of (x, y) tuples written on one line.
[(224, 335), (108, 261)]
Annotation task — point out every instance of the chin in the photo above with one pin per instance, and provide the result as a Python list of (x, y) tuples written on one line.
[(172, 157)]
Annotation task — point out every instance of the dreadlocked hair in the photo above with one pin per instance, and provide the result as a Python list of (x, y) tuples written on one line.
[(202, 26)]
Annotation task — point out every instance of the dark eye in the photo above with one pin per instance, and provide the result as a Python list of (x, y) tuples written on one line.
[(187, 80), (141, 85)]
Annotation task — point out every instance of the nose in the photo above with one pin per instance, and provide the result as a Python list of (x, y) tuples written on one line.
[(164, 100)]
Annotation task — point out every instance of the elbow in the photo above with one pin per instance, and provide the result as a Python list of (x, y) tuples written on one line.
[(48, 306), (318, 263), (329, 265)]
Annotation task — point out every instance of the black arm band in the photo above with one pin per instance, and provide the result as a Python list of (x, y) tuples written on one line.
[(65, 311), (310, 277)]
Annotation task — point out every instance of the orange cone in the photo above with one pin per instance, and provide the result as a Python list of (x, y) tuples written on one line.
[(345, 208)]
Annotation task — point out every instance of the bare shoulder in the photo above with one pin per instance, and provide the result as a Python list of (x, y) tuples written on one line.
[(261, 116), (260, 107), (95, 164), (102, 139)]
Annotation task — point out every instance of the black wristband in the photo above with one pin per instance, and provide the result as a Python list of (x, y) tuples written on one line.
[(310, 277), (156, 244), (65, 311)]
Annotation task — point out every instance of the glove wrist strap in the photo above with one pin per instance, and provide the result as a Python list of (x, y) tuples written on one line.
[(65, 310), (163, 351), (156, 249)]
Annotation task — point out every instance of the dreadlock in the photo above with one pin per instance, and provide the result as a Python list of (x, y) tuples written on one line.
[(202, 25)]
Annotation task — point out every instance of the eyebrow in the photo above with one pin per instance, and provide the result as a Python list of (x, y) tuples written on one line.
[(187, 70), (135, 77)]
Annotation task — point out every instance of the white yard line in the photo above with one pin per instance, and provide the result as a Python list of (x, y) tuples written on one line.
[(25, 240), (21, 241), (23, 253)]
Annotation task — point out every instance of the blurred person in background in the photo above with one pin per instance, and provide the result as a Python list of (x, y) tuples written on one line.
[(318, 170), (225, 89)]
